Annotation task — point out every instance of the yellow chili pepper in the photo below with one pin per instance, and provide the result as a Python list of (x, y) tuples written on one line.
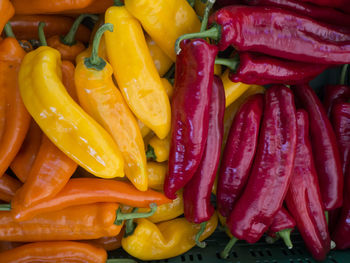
[(135, 72), (165, 20), (156, 174), (102, 100), (199, 6), (169, 89), (71, 129), (168, 239), (158, 149), (143, 128)]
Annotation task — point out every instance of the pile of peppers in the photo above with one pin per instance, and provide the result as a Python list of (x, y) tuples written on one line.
[(143, 125)]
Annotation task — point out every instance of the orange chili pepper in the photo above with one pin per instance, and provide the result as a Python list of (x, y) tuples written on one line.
[(25, 7), (26, 155), (16, 115), (81, 191), (50, 172), (7, 245), (56, 251), (26, 26), (108, 243), (6, 11), (8, 187), (96, 7), (73, 223), (68, 70)]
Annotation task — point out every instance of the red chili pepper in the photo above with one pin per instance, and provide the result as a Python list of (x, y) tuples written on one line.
[(340, 4), (334, 94), (303, 198), (268, 183), (190, 112), (324, 147), (239, 152), (319, 13), (197, 191)]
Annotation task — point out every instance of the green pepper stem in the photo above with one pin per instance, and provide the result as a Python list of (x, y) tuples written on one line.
[(94, 61), (69, 39), (121, 217), (343, 74), (285, 235), (5, 207), (41, 34), (120, 260), (224, 254), (214, 33), (271, 240), (231, 63), (8, 30), (150, 154), (198, 235), (118, 3), (208, 7), (129, 224)]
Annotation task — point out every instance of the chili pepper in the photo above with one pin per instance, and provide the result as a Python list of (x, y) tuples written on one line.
[(26, 26), (81, 191), (108, 243), (340, 4), (262, 69), (309, 40), (135, 72), (319, 13), (169, 89), (158, 149), (199, 7), (190, 112), (171, 238), (100, 98), (143, 128), (221, 3), (67, 45), (65, 123), (324, 147), (303, 198), (96, 7), (68, 82), (15, 114), (268, 182), (6, 245), (156, 174), (239, 153), (197, 191), (334, 94), (158, 17), (8, 187), (6, 11)]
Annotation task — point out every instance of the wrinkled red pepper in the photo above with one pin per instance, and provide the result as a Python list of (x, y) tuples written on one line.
[(324, 147), (303, 198), (239, 152), (190, 112), (334, 94), (197, 192)]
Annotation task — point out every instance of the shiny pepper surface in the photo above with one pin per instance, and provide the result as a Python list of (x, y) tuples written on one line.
[(135, 72), (165, 240), (62, 120), (7, 11)]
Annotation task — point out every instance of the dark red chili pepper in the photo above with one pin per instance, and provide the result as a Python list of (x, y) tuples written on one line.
[(324, 147), (261, 69), (334, 94), (268, 182), (221, 3), (197, 191), (239, 152), (340, 4), (190, 112), (319, 13), (303, 198)]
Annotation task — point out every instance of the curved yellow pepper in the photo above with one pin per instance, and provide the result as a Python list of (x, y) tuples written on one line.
[(135, 72), (71, 129), (158, 149), (165, 240), (156, 174), (169, 89), (165, 20), (143, 128)]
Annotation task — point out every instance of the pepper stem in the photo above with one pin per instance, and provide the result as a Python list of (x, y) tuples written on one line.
[(271, 240), (94, 61), (285, 235), (121, 217), (198, 235), (150, 154), (333, 244), (120, 260), (5, 207), (69, 39), (224, 254), (208, 7), (41, 34), (343, 74), (8, 30), (213, 33), (231, 63), (327, 217), (129, 224), (118, 3)]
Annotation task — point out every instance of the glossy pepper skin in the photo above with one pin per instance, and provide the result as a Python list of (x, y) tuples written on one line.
[(197, 191), (156, 173), (71, 129), (7, 11), (324, 147), (194, 75), (269, 179), (319, 13), (334, 94), (55, 251), (281, 33), (282, 220), (108, 243), (73, 223), (135, 72), (158, 149), (239, 152), (262, 70), (14, 114), (164, 240), (83, 191), (158, 17), (67, 52), (340, 4), (303, 198), (8, 187)]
